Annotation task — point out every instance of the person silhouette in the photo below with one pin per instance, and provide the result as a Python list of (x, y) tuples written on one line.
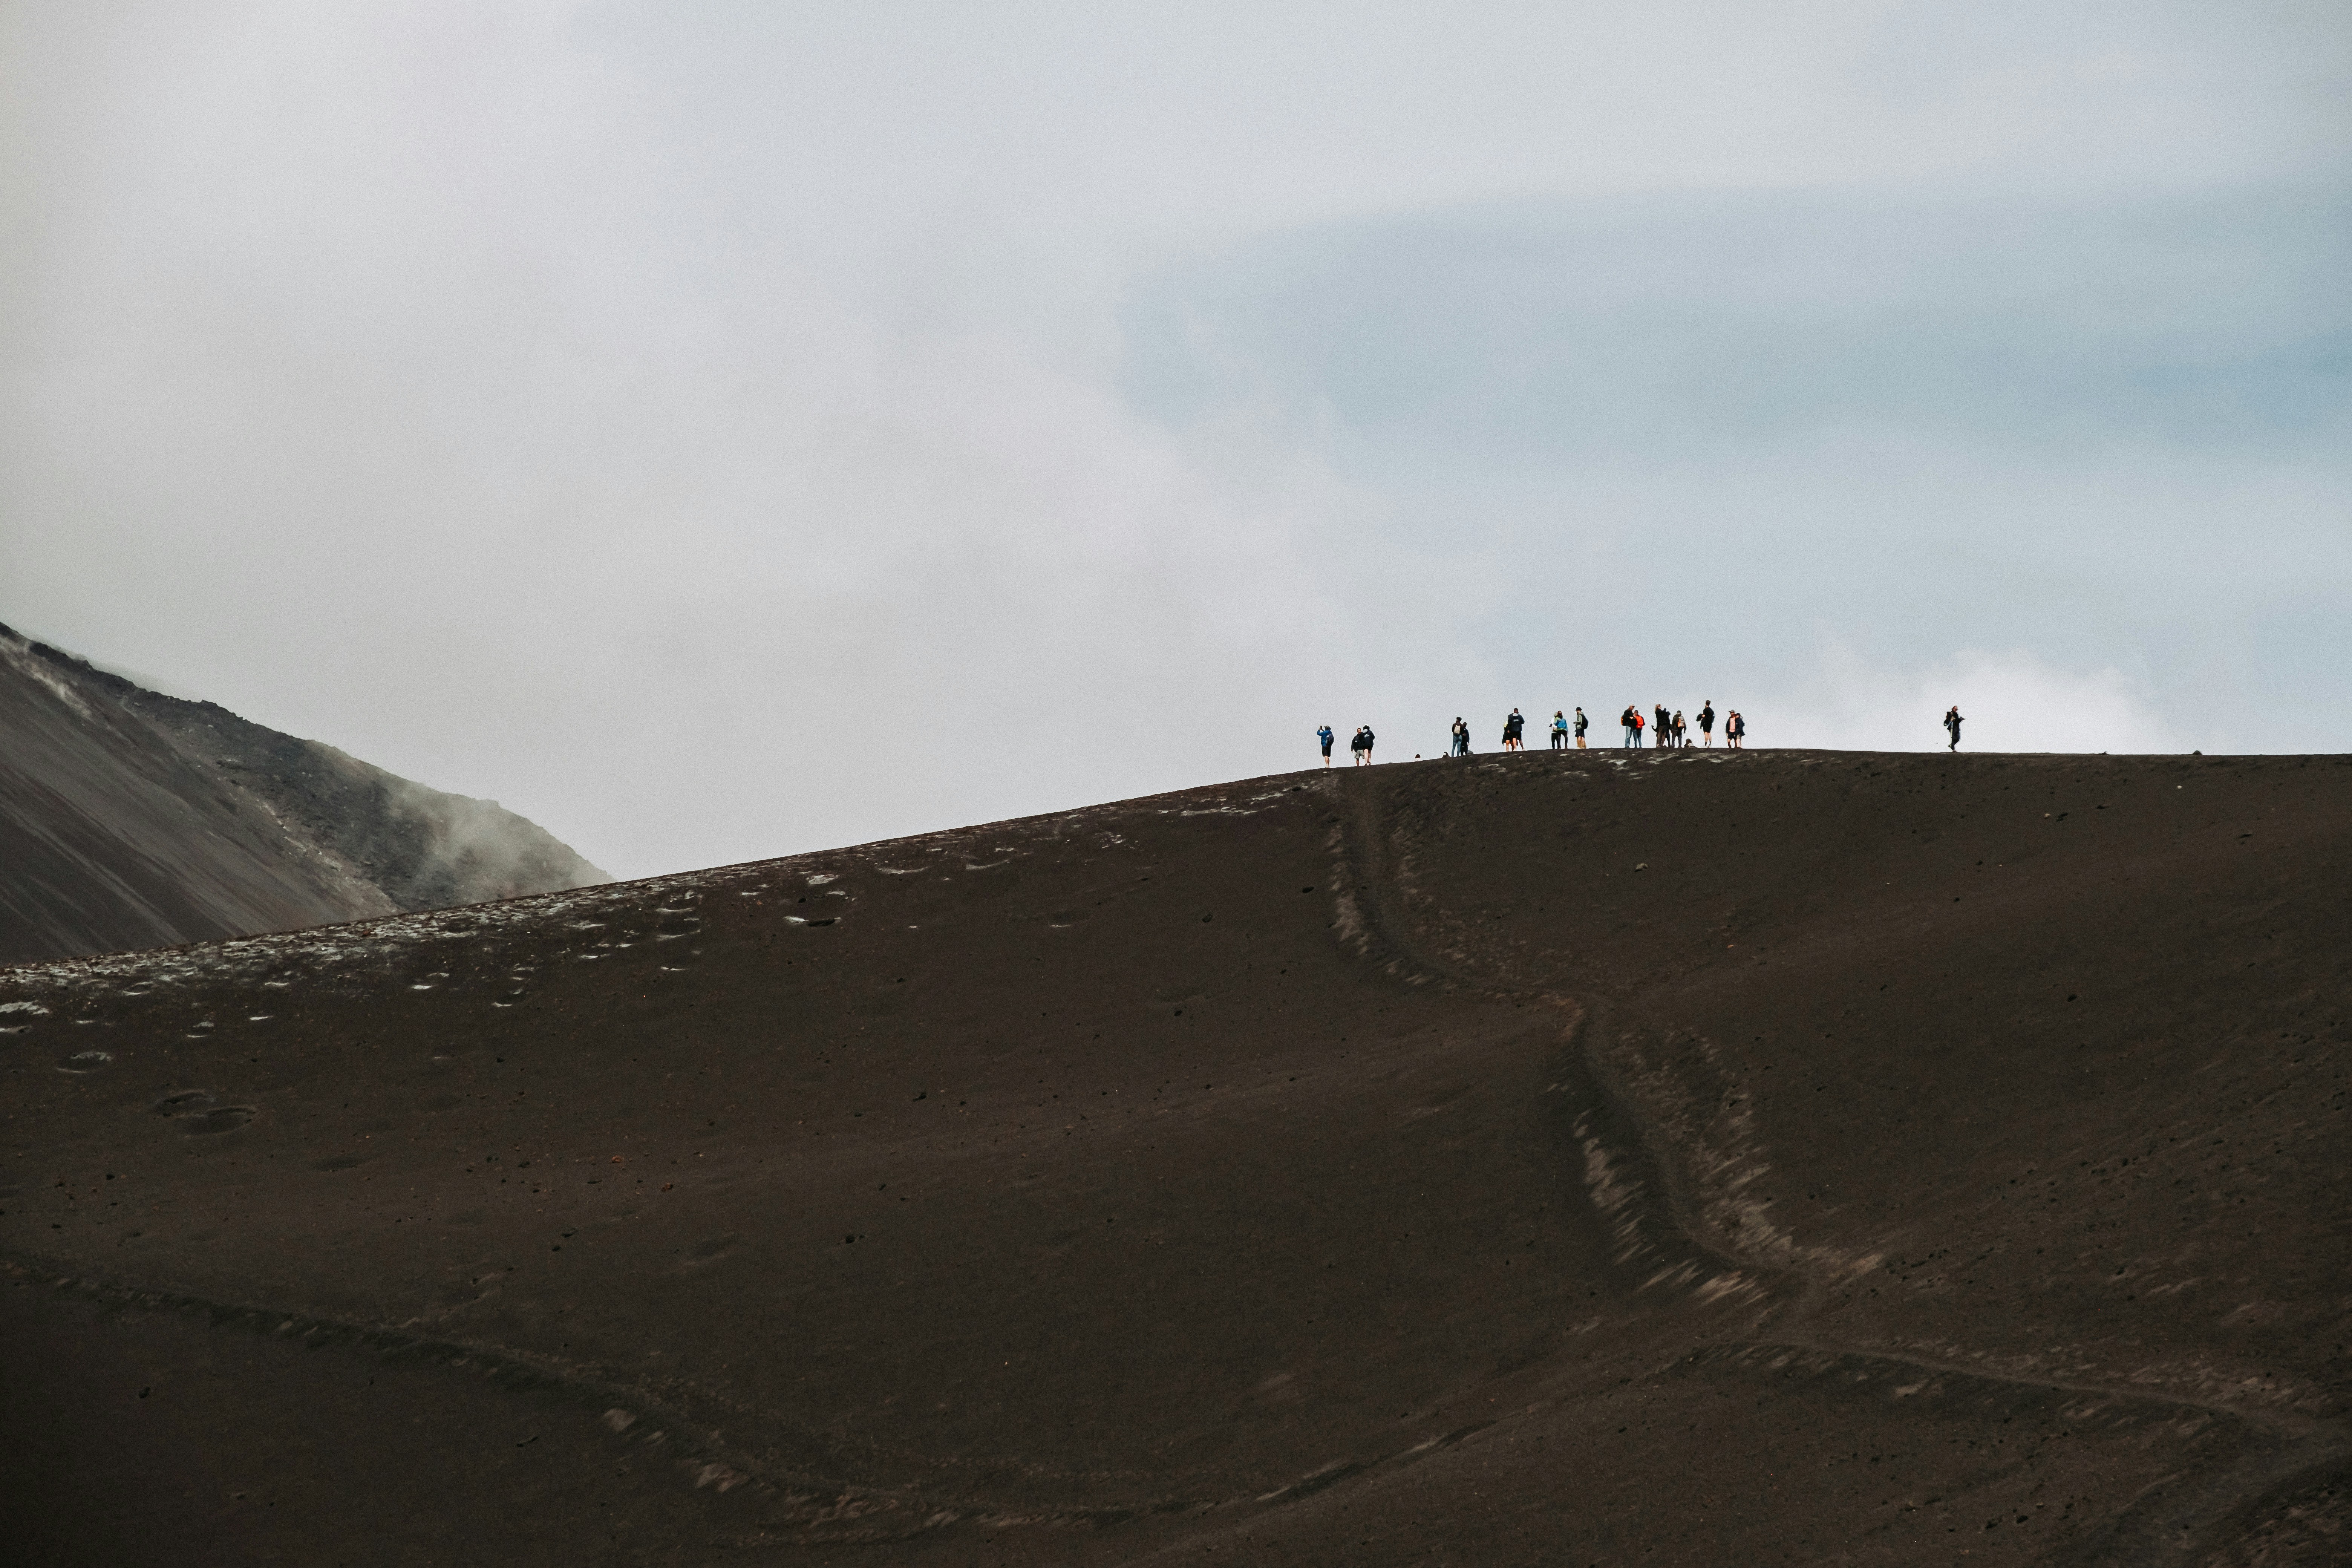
[(1324, 735), (1952, 727)]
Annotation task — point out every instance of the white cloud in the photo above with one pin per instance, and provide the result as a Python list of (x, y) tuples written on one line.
[(702, 428), (2010, 700)]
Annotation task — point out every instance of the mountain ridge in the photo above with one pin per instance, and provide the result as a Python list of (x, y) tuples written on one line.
[(130, 818)]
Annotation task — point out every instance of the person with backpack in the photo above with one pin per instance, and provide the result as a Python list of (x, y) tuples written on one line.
[(1461, 746), (1324, 735), (1952, 725), (1682, 730), (1580, 723), (1514, 729), (1558, 730)]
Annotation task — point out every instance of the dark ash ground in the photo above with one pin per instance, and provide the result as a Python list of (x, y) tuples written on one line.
[(1680, 1159)]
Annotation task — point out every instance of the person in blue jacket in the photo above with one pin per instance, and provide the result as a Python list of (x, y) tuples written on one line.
[(1324, 735)]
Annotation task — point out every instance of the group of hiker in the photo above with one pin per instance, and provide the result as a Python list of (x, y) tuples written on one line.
[(1665, 730), (1669, 731)]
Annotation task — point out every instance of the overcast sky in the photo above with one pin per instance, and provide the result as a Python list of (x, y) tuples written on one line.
[(717, 430)]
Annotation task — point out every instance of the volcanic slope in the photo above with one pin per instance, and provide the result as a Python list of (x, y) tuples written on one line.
[(1692, 1158), (133, 819)]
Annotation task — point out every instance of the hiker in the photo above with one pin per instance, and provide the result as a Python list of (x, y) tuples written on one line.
[(1735, 731), (1632, 720), (1560, 730), (1706, 723), (1514, 728), (1664, 735), (1952, 723), (1324, 735), (1364, 743), (1461, 738), (1682, 730), (1580, 723)]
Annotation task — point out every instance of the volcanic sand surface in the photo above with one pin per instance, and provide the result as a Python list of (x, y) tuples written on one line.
[(1684, 1158)]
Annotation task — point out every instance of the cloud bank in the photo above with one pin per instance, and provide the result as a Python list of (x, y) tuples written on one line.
[(720, 430)]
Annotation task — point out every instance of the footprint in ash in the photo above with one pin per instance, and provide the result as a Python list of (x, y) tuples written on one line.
[(200, 1113)]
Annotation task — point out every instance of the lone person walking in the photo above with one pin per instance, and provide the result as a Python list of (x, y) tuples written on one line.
[(1580, 723), (1952, 725), (1706, 723), (1324, 735)]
